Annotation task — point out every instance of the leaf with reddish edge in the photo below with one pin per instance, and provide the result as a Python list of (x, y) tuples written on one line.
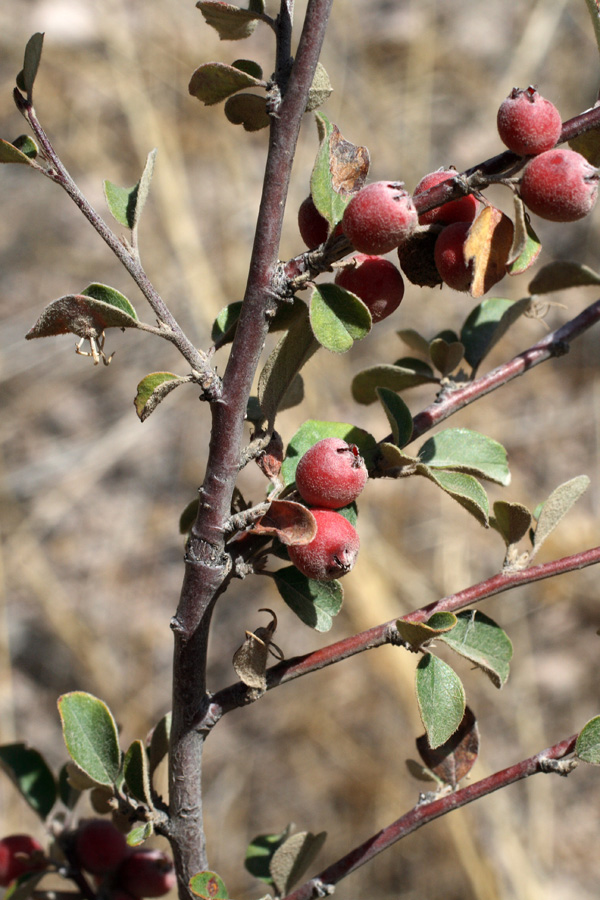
[(214, 82), (80, 315), (291, 522), (231, 22), (526, 246), (453, 760), (208, 886), (488, 244), (340, 170), (153, 389)]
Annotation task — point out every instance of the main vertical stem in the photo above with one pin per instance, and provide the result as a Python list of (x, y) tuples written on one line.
[(206, 565)]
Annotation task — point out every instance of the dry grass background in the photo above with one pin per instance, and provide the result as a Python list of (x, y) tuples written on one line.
[(91, 559)]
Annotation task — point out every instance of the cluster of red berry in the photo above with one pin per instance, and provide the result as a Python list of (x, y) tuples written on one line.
[(556, 184), (100, 849), (330, 475)]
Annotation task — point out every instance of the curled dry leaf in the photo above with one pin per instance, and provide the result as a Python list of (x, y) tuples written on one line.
[(489, 245), (291, 522), (452, 761), (250, 660)]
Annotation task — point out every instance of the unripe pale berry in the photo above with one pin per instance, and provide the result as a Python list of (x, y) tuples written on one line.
[(16, 852), (146, 873), (559, 185), (333, 551), (376, 281), (450, 259), (380, 217), (463, 210), (100, 847), (528, 123), (331, 474)]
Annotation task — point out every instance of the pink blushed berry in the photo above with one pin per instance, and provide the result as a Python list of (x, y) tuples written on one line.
[(332, 552), (462, 210), (331, 474), (559, 185), (376, 281), (379, 217), (528, 123)]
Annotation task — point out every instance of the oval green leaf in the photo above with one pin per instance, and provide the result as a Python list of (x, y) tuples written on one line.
[(231, 22), (511, 520), (153, 389), (208, 886), (441, 699), (11, 154), (560, 275), (487, 323), (30, 773), (260, 853), (294, 857), (338, 317), (462, 450), (395, 378), (213, 82), (137, 774), (314, 602), (340, 170), (556, 507), (480, 640), (587, 747), (446, 355), (91, 736), (465, 489), (110, 296), (31, 62), (399, 415), (248, 110)]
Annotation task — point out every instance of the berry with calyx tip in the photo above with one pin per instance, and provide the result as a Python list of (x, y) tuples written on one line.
[(19, 853), (528, 123), (450, 258), (332, 552), (559, 185), (462, 210), (100, 847), (331, 474), (379, 217), (376, 281), (146, 873)]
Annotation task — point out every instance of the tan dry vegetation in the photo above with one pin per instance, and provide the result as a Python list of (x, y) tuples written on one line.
[(91, 560)]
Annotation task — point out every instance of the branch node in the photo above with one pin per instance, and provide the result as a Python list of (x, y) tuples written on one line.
[(562, 767)]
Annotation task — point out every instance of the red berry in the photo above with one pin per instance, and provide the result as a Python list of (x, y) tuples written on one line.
[(376, 281), (146, 873), (463, 210), (18, 854), (333, 551), (450, 258), (559, 185), (380, 217), (331, 474), (314, 228), (528, 123), (100, 847)]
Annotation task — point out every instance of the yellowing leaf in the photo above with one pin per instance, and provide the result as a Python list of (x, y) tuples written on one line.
[(488, 244)]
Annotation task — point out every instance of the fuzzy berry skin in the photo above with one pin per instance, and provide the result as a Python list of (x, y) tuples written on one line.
[(312, 225), (463, 210), (528, 123), (559, 185), (100, 847), (333, 551), (449, 256), (16, 851), (146, 873), (376, 281), (379, 218), (331, 474)]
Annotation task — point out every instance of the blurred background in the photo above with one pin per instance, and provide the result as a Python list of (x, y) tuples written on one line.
[(91, 563)]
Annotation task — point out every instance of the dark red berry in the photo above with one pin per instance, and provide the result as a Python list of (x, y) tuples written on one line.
[(463, 210), (331, 474), (379, 217), (332, 552), (528, 123), (376, 281), (559, 185)]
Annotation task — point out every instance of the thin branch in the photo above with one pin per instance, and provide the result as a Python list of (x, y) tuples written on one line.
[(323, 883), (172, 330), (594, 11), (387, 633)]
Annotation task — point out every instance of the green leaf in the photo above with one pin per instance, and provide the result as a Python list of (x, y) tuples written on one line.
[(31, 62), (414, 340), (465, 489), (314, 602), (231, 22), (9, 153), (462, 450), (560, 275), (281, 368), (139, 835), (391, 462), (446, 355), (213, 82), (126, 204), (294, 857), (399, 415), (556, 506), (260, 853), (418, 633), (110, 296), (338, 317), (159, 742), (487, 323), (511, 520), (480, 640), (587, 747), (80, 315), (441, 699), (137, 774), (208, 886), (339, 171), (30, 773), (225, 322), (526, 245), (153, 389), (312, 431), (250, 67), (395, 378), (248, 110), (91, 736)]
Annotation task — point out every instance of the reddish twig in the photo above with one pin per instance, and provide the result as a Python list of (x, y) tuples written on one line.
[(323, 883)]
